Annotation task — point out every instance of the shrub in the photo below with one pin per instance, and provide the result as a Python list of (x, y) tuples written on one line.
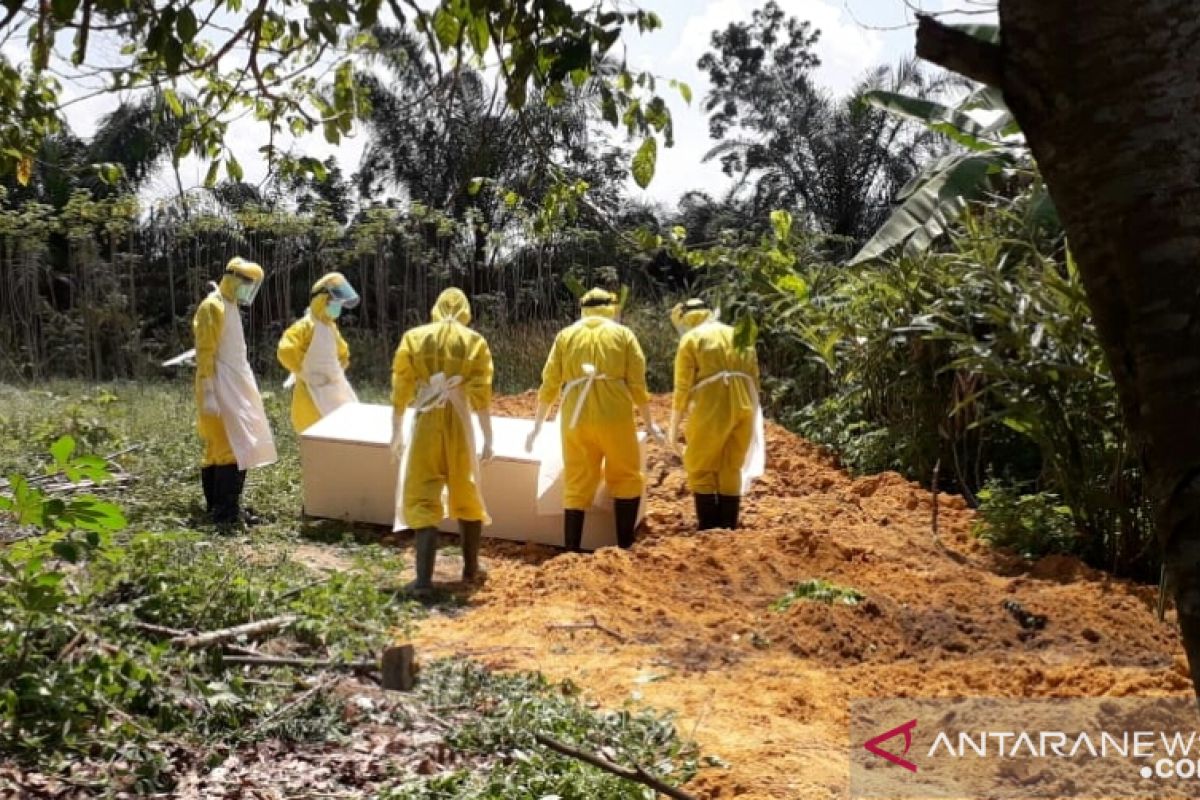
[(1034, 525)]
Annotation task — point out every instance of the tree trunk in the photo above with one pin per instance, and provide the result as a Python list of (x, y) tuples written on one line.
[(1108, 94)]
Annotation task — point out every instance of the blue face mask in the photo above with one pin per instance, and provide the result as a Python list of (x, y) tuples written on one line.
[(334, 309)]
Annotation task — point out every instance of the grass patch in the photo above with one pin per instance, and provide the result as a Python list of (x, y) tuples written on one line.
[(818, 590), (90, 695), (84, 677)]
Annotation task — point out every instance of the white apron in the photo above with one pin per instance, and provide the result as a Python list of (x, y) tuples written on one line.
[(549, 447), (242, 411), (322, 359), (755, 464), (436, 394)]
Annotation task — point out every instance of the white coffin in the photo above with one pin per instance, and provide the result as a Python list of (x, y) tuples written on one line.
[(348, 474)]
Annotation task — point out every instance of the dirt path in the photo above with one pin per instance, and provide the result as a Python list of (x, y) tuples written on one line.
[(767, 692)]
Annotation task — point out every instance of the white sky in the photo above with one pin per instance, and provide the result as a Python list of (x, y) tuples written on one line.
[(855, 35)]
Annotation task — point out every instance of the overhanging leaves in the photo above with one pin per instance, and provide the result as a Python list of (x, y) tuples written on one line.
[(951, 122), (644, 162), (268, 60), (934, 203)]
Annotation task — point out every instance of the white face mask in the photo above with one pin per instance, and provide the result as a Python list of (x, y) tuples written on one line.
[(333, 309)]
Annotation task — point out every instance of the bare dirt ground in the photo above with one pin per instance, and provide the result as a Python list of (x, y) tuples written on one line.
[(688, 626)]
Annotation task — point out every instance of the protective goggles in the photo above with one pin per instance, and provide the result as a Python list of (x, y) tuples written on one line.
[(598, 302)]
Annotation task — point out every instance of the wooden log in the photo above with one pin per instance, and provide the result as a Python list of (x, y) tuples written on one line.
[(397, 668), (214, 638), (163, 632), (303, 663), (635, 774), (70, 646)]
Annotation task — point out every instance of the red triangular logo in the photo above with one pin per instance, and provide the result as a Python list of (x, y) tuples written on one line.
[(905, 730)]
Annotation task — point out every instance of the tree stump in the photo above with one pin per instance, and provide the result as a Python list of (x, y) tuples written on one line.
[(397, 668)]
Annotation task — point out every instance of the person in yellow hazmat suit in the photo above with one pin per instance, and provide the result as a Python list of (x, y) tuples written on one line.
[(442, 372), (316, 355), (716, 386), (597, 367), (232, 421)]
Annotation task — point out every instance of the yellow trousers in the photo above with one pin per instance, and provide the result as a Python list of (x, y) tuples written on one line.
[(217, 450), (439, 459), (716, 451), (592, 453)]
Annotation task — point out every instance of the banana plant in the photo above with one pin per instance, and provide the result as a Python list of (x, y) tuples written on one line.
[(993, 147)]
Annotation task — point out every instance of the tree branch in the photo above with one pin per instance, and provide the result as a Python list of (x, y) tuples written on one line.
[(12, 12), (302, 663), (84, 28), (637, 774), (959, 52), (212, 638)]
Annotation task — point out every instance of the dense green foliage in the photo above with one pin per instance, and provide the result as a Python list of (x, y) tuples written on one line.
[(1034, 524), (978, 360)]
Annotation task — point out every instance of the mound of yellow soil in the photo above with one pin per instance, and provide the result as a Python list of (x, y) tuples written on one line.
[(688, 625)]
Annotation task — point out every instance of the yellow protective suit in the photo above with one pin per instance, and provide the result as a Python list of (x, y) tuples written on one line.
[(293, 347), (206, 329), (207, 325), (720, 424), (602, 443), (438, 454)]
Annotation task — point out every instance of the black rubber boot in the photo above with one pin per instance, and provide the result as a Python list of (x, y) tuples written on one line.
[(424, 558), (206, 480), (730, 505), (708, 511), (471, 533), (246, 515), (226, 492), (573, 520), (626, 513)]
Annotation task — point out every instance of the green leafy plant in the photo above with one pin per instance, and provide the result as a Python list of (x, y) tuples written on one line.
[(86, 420), (818, 590), (1032, 524), (992, 151), (43, 698)]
